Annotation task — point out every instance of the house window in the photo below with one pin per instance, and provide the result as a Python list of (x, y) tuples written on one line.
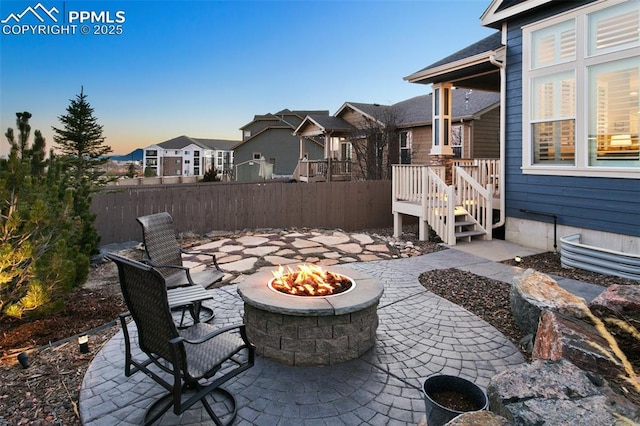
[(246, 134), (176, 152), (581, 108), (345, 150), (257, 156), (186, 161), (405, 147), (196, 153), (457, 140), (196, 170), (553, 119), (151, 153)]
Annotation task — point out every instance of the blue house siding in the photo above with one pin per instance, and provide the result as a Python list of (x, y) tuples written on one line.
[(602, 204)]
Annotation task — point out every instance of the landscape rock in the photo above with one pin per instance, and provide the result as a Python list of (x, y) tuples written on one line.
[(477, 418), (534, 292), (619, 300), (557, 393), (619, 308), (577, 341)]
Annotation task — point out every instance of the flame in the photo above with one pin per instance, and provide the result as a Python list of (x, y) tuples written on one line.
[(309, 280)]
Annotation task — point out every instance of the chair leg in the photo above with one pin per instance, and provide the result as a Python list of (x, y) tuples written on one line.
[(162, 405), (158, 409), (202, 313), (232, 413), (197, 314)]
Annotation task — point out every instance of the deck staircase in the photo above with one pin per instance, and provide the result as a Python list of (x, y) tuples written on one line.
[(465, 226), (459, 212)]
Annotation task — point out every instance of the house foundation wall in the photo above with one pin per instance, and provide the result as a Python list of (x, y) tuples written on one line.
[(540, 235)]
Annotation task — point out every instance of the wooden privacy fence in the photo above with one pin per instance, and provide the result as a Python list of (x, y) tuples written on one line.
[(205, 207)]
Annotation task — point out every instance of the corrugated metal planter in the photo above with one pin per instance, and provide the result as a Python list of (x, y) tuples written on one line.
[(574, 254)]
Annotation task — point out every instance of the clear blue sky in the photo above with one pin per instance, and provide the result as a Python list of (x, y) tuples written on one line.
[(205, 68)]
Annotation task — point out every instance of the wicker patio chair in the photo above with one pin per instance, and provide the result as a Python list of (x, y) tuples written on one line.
[(163, 251), (198, 359)]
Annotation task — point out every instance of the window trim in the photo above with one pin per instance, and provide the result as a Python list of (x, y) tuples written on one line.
[(408, 147), (580, 67)]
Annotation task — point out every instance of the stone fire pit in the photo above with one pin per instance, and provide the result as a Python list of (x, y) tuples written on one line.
[(311, 330)]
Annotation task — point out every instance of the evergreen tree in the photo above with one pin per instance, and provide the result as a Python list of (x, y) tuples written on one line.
[(149, 172), (131, 170), (83, 152), (40, 253), (81, 143)]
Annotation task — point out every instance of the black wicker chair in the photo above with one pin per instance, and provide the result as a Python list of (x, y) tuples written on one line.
[(163, 252), (199, 359)]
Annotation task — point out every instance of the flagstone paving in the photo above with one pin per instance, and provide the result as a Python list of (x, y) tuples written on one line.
[(419, 334)]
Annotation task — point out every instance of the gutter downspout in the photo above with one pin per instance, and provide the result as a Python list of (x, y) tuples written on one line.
[(503, 115)]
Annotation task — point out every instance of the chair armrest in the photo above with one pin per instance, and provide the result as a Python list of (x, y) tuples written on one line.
[(201, 253), (123, 318), (183, 268), (209, 336)]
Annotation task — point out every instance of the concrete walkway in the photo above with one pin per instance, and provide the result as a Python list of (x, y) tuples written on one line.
[(419, 334)]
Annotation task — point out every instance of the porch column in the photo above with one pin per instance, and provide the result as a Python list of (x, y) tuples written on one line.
[(441, 152), (327, 145), (441, 129), (301, 156)]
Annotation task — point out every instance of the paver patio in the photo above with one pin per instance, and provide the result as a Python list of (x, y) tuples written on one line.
[(419, 334)]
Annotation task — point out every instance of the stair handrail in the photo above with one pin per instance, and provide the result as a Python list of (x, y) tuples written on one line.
[(476, 200), (439, 207)]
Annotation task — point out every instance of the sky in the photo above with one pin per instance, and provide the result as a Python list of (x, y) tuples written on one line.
[(206, 68)]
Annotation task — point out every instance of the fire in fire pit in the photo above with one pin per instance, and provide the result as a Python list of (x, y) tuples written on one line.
[(309, 280)]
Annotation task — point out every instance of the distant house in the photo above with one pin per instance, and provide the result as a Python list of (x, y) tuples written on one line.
[(186, 156), (568, 74), (475, 131), (270, 136), (474, 121)]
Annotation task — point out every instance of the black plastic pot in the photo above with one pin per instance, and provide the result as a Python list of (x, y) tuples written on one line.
[(438, 415)]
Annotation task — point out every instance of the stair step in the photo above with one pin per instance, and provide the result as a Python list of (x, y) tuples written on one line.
[(469, 234), (459, 211), (464, 223)]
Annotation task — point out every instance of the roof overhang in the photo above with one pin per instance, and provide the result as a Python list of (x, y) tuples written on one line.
[(347, 105), (311, 127), (493, 16), (474, 72)]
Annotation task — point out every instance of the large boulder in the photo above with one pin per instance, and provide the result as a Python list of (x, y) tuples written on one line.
[(534, 292), (556, 393), (577, 341), (619, 300), (618, 306)]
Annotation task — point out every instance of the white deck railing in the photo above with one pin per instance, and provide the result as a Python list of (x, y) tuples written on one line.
[(407, 182), (439, 207), (484, 170), (476, 200), (420, 190)]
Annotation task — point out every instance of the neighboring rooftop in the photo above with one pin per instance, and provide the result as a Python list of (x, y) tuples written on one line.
[(417, 110), (183, 141)]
